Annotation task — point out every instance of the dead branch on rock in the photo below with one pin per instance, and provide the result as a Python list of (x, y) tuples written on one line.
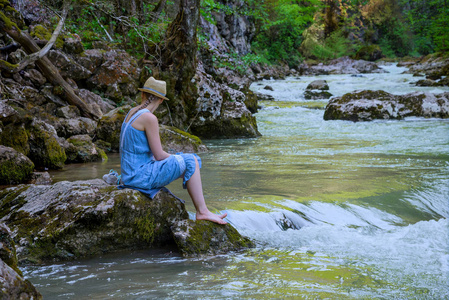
[(29, 59), (48, 69)]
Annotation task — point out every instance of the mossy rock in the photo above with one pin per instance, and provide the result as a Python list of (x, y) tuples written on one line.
[(42, 33), (109, 126), (369, 105), (251, 101), (236, 121), (69, 220), (369, 53), (175, 140), (8, 249), (313, 95), (81, 149), (14, 166), (10, 16), (196, 238), (45, 150), (15, 136)]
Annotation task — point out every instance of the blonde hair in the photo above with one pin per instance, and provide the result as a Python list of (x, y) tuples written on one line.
[(147, 98)]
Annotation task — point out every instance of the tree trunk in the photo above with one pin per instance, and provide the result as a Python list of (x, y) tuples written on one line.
[(179, 61), (157, 10)]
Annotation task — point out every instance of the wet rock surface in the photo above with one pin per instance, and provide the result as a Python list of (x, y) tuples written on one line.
[(69, 220), (175, 140), (317, 90), (195, 238), (12, 284), (370, 105)]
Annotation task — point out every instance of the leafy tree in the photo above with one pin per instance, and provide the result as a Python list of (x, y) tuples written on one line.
[(429, 21), (280, 26)]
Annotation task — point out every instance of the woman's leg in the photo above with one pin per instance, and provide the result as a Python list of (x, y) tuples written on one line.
[(195, 189)]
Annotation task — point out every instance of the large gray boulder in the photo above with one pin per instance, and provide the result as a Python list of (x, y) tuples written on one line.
[(369, 105), (75, 126), (69, 220), (221, 111), (117, 76), (68, 66)]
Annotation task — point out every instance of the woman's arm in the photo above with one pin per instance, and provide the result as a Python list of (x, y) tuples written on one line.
[(151, 126)]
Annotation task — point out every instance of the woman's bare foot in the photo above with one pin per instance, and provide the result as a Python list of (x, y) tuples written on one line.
[(211, 217)]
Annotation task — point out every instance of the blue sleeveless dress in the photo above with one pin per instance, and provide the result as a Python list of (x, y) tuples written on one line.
[(140, 170)]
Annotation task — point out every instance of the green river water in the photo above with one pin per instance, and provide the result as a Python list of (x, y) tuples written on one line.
[(338, 210)]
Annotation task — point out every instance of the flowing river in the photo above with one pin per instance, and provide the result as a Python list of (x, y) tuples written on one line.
[(338, 210)]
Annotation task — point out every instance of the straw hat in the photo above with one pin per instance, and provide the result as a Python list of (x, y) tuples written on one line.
[(155, 87)]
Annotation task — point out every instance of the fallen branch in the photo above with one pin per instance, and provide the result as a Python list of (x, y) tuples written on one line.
[(29, 59), (45, 65)]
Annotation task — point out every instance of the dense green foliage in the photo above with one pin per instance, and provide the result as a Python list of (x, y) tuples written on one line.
[(280, 26), (429, 21), (134, 29), (285, 30)]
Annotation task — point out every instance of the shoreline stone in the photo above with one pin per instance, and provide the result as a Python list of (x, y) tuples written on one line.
[(222, 238)]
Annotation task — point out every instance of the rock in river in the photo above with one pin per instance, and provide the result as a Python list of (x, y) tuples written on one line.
[(68, 220), (317, 90), (12, 284), (221, 238), (369, 105)]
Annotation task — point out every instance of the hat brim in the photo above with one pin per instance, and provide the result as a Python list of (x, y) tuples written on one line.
[(153, 93)]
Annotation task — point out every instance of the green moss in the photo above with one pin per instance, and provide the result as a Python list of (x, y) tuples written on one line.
[(145, 227), (11, 173), (187, 135), (7, 22), (102, 154), (15, 137), (8, 66), (43, 33), (200, 236), (45, 149), (78, 142), (9, 198)]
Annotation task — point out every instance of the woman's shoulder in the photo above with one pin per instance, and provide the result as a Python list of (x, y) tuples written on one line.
[(149, 116)]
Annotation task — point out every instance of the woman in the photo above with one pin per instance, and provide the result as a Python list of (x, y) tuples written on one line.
[(145, 165)]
